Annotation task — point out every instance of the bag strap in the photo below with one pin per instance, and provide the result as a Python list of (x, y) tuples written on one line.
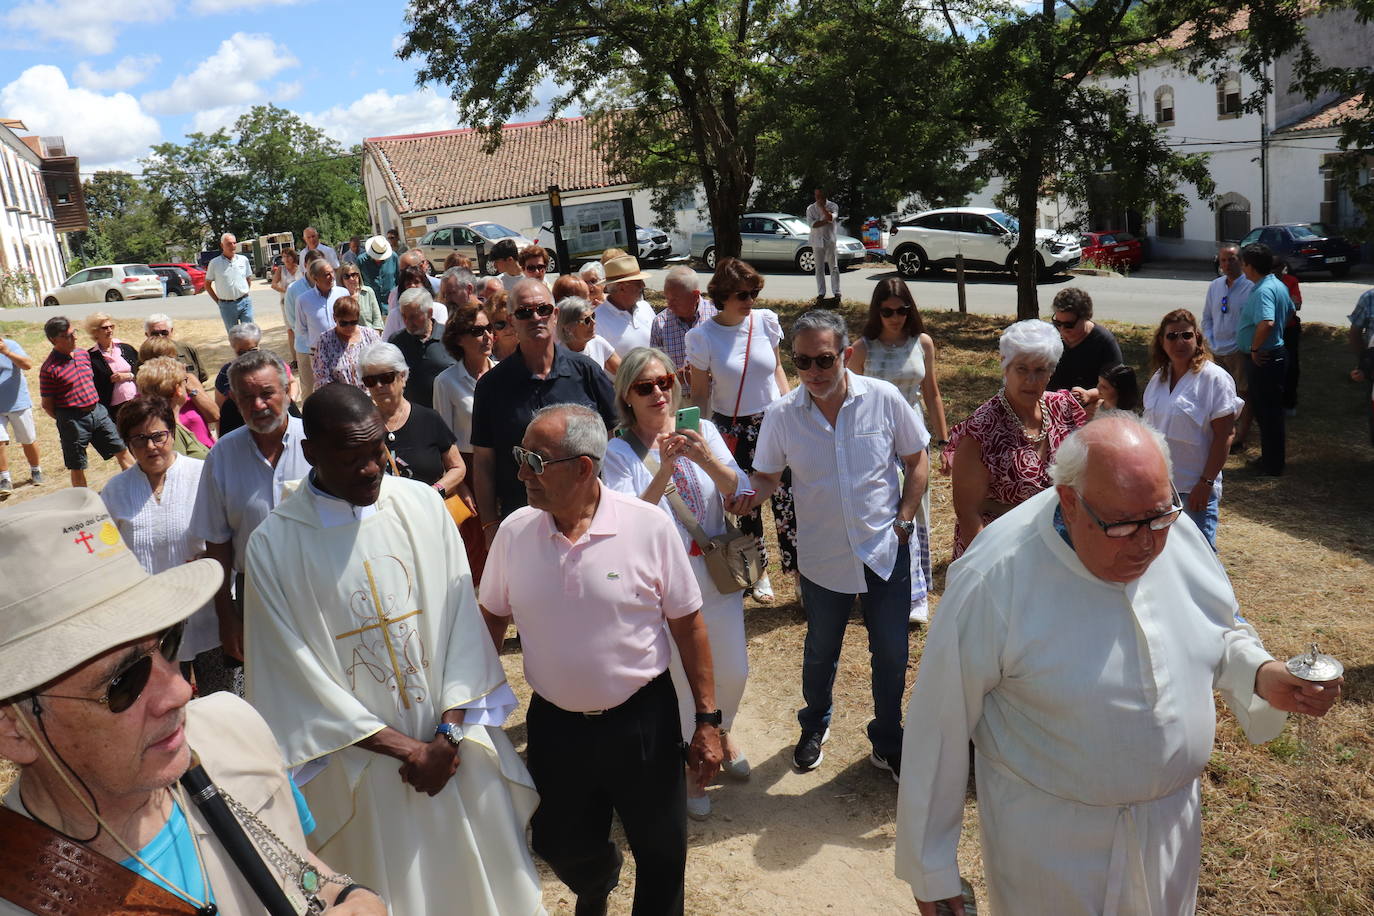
[(739, 395), (680, 507), (391, 460), (43, 872)]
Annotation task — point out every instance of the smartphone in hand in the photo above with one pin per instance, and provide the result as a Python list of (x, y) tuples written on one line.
[(689, 418)]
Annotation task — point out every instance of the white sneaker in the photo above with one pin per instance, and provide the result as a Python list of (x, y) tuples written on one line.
[(699, 809), (920, 612), (36, 476)]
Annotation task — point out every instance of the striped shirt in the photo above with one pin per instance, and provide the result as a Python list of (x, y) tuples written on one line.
[(68, 380), (669, 334)]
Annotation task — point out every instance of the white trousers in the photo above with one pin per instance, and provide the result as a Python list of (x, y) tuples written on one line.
[(724, 619), (824, 249)]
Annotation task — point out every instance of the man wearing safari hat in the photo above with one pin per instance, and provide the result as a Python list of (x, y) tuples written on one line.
[(379, 265), (101, 725), (624, 319)]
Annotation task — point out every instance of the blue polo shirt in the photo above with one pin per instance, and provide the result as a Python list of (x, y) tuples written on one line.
[(507, 397), (1268, 301), (14, 388)]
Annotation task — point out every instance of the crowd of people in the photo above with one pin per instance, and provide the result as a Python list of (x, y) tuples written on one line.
[(345, 546)]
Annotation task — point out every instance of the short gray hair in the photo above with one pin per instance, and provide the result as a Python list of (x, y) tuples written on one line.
[(630, 369), (246, 331), (317, 267), (416, 296), (1031, 339), (684, 278), (570, 311), (464, 276), (228, 235), (584, 432), (822, 320), (382, 355), (594, 270), (157, 318), (255, 361), (1070, 465)]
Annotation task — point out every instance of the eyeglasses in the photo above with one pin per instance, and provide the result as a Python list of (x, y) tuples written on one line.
[(1125, 529), (824, 361), (1176, 335), (381, 378), (646, 387), (162, 333), (127, 685), (537, 462), (1065, 325), (347, 323), (350, 276), (499, 325), (478, 330), (899, 310), (529, 311), (156, 438), (744, 295), (537, 267), (588, 320)]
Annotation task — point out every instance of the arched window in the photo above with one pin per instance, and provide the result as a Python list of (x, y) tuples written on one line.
[(1233, 217), (1164, 105), (1228, 96)]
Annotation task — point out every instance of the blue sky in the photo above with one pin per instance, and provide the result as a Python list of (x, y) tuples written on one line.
[(116, 76)]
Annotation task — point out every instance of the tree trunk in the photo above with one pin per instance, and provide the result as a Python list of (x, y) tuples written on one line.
[(726, 208), (1027, 258)]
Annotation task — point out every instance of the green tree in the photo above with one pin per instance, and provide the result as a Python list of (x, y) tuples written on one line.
[(128, 222)]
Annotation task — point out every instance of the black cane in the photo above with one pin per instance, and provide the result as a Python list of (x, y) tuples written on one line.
[(230, 833)]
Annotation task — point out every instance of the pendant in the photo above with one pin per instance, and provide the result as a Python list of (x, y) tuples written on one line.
[(309, 880), (208, 910)]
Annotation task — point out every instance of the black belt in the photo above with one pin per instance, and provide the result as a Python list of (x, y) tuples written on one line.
[(635, 699)]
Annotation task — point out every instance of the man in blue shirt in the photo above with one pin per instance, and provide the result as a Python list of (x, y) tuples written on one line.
[(1260, 333), (16, 414)]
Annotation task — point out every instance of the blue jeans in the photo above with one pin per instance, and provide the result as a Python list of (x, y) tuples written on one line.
[(235, 311), (886, 608), (1206, 520)]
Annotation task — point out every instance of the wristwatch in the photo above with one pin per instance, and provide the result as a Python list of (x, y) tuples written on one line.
[(454, 733), (710, 718), (906, 527)]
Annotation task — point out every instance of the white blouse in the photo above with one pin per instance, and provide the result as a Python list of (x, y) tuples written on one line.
[(159, 533), (453, 392), (1185, 417), (598, 349), (719, 350)]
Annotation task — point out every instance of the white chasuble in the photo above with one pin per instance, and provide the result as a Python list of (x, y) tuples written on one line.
[(1090, 707), (363, 619)]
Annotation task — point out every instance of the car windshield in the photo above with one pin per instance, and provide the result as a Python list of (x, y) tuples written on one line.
[(493, 231), (1303, 232), (1006, 220), (795, 225), (139, 270)]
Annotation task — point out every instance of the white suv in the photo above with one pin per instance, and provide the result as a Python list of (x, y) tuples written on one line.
[(984, 236)]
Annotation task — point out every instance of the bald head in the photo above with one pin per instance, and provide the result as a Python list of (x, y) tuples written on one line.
[(414, 258)]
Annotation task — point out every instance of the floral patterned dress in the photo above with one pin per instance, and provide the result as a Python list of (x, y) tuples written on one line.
[(1015, 470)]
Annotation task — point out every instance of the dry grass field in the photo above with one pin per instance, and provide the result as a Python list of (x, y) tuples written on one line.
[(1288, 827)]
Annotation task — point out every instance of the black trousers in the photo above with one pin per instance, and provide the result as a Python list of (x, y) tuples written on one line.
[(1266, 401), (1292, 343), (627, 760)]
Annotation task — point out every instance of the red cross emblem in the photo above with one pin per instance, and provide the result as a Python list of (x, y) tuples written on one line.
[(85, 541)]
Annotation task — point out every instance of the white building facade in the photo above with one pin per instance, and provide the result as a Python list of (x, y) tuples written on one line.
[(28, 235)]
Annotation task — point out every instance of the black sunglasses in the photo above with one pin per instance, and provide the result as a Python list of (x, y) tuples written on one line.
[(743, 294), (343, 323), (164, 333), (537, 462), (384, 378), (824, 361), (536, 267), (1175, 335), (127, 685), (478, 330), (529, 311), (1065, 325), (899, 310), (499, 325)]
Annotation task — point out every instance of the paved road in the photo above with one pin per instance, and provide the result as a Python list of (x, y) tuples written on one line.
[(1141, 298)]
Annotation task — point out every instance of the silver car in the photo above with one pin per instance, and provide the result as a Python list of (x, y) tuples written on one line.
[(108, 282), (778, 237), (439, 243)]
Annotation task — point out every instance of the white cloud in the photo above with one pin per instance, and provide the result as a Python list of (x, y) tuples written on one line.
[(209, 120), (211, 7), (130, 71), (380, 113), (102, 129), (91, 25), (230, 76), (286, 91)]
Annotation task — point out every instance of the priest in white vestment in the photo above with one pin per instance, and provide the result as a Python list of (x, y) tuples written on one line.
[(1077, 644), (366, 653)]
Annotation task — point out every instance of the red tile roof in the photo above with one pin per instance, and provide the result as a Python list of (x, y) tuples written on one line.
[(450, 168), (1333, 115)]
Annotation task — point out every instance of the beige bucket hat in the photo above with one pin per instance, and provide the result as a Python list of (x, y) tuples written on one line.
[(623, 268), (379, 248), (72, 589)]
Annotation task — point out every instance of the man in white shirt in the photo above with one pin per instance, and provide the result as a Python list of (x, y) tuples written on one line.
[(1078, 644), (315, 311), (624, 319), (822, 216), (1221, 312), (312, 243), (227, 281), (842, 435)]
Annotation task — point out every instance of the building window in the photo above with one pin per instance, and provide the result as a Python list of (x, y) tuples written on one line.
[(540, 214), (1228, 96), (62, 187), (1164, 105), (1168, 229)]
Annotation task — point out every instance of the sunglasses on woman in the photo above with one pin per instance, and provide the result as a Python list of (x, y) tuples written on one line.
[(824, 361), (478, 330), (646, 387), (745, 295), (529, 311), (381, 378), (347, 323), (1176, 335), (1064, 325), (588, 320), (537, 462), (127, 685), (499, 325), (899, 310)]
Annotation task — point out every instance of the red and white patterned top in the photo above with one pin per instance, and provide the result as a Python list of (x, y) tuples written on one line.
[(1015, 471)]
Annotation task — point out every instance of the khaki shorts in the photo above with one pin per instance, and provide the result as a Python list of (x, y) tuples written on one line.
[(21, 421), (1234, 363)]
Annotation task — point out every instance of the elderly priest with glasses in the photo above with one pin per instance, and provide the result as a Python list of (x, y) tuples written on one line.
[(111, 812), (1078, 644)]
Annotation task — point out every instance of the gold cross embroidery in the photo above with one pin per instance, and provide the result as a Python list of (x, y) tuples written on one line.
[(383, 621)]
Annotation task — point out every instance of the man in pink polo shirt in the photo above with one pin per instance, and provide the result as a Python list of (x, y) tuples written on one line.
[(590, 576)]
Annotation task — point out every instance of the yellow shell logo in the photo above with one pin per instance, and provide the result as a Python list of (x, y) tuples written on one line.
[(109, 534)]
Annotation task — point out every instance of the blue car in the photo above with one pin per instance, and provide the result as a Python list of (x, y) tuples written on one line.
[(1306, 247)]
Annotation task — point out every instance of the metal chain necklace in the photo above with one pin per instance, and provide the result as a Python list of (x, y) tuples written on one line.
[(307, 877), (1044, 418)]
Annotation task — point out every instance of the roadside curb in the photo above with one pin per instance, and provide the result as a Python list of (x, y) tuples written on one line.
[(1092, 272)]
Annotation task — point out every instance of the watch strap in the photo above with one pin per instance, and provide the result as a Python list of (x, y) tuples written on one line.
[(710, 718)]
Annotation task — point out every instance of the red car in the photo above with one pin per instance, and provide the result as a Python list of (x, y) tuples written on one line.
[(197, 275), (1119, 249)]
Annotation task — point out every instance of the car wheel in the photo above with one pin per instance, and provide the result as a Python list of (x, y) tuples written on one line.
[(709, 259), (186, 292), (113, 296), (553, 263), (50, 303), (1340, 270), (490, 268), (911, 262), (806, 261)]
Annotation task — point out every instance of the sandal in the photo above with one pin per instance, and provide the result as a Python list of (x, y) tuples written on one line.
[(762, 590)]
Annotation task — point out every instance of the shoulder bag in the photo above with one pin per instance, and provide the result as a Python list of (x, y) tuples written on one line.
[(733, 559), (732, 440), (457, 509)]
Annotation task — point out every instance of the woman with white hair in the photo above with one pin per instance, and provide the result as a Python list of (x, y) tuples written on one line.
[(419, 442), (594, 275), (1000, 456), (577, 332)]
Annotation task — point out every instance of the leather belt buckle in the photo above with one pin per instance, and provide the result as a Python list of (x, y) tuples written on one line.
[(593, 713)]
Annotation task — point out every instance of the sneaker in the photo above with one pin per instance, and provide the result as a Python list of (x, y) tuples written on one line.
[(738, 769), (6, 488), (892, 764), (36, 476), (920, 612), (808, 754), (699, 808)]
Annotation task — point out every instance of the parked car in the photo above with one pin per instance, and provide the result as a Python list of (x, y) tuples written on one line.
[(439, 243), (777, 237), (178, 280), (197, 274), (108, 282), (654, 244), (1113, 249), (984, 236), (1306, 247)]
